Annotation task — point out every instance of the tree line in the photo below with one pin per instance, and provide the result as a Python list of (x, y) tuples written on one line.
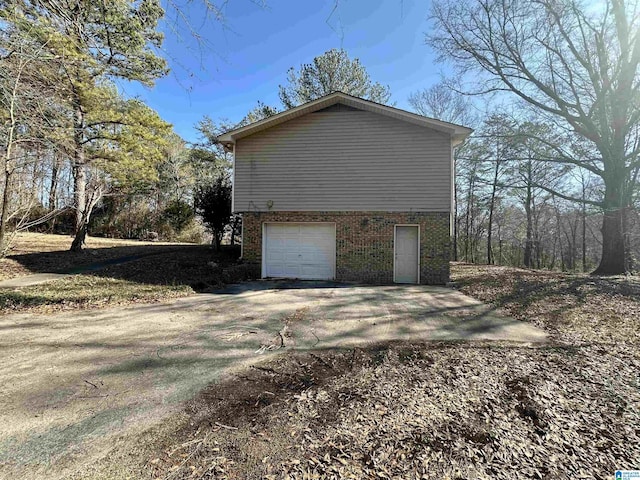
[(513, 205), (570, 70), (75, 153), (549, 178), (71, 142)]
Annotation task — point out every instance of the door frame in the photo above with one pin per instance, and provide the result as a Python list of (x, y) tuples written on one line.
[(395, 230), (263, 247)]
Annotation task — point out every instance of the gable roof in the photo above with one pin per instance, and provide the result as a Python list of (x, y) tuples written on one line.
[(458, 132)]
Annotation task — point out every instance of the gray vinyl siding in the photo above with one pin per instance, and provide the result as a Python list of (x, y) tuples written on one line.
[(343, 160)]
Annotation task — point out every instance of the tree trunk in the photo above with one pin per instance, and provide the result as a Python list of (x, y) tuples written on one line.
[(552, 262), (79, 179), (53, 189), (584, 237), (615, 242), (79, 239), (454, 217), (614, 248), (234, 227), (490, 226), (4, 212), (80, 198), (494, 188), (528, 246), (6, 170), (469, 218), (558, 235), (216, 240), (583, 211), (571, 230)]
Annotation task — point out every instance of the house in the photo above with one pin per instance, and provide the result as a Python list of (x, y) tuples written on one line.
[(347, 189)]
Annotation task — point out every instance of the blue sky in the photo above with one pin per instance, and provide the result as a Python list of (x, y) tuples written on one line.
[(245, 60)]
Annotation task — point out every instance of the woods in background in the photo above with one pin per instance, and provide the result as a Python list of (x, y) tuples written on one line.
[(76, 154), (517, 202), (570, 69), (549, 179)]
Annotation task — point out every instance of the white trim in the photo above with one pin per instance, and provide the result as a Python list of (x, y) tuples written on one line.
[(233, 182), (395, 228), (452, 208), (458, 132), (263, 257), (241, 237), (263, 267)]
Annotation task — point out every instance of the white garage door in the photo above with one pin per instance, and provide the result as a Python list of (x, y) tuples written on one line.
[(300, 250)]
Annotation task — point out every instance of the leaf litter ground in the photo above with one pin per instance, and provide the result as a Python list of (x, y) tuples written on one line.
[(447, 410)]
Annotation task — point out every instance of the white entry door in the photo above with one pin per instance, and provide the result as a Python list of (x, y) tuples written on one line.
[(406, 252), (299, 250)]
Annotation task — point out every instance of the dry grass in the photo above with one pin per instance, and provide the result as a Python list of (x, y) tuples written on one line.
[(199, 267), (156, 271), (570, 409), (40, 252), (28, 242), (85, 291)]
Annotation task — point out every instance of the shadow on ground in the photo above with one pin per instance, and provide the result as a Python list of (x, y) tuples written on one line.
[(278, 284), (66, 261), (79, 377), (572, 306), (197, 266)]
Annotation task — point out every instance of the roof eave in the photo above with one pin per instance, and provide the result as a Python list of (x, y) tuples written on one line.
[(278, 118), (460, 136), (457, 132)]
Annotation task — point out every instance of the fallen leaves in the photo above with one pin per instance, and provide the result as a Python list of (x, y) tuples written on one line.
[(474, 410), (574, 308), (479, 411)]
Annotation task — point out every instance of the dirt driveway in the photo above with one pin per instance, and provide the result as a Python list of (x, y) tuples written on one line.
[(71, 383)]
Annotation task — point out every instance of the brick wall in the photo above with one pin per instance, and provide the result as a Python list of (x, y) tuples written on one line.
[(364, 242)]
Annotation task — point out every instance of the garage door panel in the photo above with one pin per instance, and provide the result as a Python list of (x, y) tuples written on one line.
[(277, 231), (277, 241), (290, 270), (277, 271), (309, 252), (313, 272), (291, 238), (316, 257), (291, 230), (275, 257), (302, 250), (292, 257)]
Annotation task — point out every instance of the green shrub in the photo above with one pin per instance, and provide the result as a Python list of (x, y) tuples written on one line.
[(192, 233), (178, 214)]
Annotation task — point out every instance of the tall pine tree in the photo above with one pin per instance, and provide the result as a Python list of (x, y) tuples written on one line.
[(330, 72), (100, 41)]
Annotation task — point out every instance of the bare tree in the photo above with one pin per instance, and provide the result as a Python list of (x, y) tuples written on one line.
[(499, 134), (30, 118), (443, 102), (526, 174), (575, 63)]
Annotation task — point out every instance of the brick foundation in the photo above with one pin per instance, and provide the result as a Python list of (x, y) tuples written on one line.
[(364, 242)]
